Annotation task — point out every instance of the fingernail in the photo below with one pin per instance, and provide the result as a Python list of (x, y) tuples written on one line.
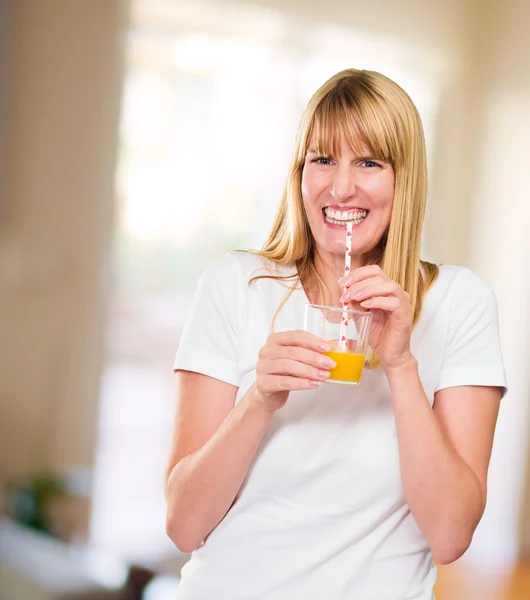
[(367, 303), (314, 384), (328, 363), (345, 297), (359, 293), (323, 375), (346, 281), (323, 346)]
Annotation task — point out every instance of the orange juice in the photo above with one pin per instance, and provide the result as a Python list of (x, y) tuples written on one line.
[(349, 366)]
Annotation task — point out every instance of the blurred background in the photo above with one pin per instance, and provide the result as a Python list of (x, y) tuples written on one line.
[(140, 140)]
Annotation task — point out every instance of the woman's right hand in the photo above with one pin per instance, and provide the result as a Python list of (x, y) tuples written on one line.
[(290, 360)]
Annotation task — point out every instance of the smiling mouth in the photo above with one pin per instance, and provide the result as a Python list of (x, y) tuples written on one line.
[(341, 217)]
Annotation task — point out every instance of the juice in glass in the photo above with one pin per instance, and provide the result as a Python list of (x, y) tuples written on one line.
[(349, 366)]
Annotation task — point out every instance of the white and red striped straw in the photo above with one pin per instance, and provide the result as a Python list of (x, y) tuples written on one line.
[(343, 340)]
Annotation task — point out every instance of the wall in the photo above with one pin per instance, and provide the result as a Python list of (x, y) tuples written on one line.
[(499, 249), (60, 135), (5, 28)]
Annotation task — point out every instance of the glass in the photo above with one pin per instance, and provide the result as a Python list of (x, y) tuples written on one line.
[(346, 331)]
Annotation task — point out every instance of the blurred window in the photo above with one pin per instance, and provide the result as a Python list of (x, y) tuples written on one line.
[(212, 101)]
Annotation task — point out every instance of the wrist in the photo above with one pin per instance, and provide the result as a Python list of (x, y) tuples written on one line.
[(256, 402), (407, 366)]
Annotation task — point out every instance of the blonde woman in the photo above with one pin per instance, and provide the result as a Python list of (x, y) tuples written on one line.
[(287, 489)]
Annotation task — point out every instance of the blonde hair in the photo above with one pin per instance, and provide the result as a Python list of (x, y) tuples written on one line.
[(363, 107)]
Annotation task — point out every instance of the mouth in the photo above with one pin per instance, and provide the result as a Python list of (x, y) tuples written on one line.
[(338, 218)]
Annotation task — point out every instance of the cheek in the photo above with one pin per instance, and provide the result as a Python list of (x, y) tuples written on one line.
[(308, 187), (382, 193), (388, 201), (304, 187), (309, 196), (312, 185), (390, 191)]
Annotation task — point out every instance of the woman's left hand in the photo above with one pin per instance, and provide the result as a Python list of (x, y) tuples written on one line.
[(389, 304)]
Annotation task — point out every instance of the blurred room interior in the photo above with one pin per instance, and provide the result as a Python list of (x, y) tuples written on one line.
[(140, 140)]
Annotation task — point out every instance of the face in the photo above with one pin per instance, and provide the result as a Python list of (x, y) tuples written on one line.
[(355, 187)]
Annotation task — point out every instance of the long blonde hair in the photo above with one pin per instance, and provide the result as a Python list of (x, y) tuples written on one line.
[(363, 107)]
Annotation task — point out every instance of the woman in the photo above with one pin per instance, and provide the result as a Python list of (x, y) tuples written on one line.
[(289, 489)]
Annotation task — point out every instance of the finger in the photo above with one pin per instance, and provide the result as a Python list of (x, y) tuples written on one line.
[(388, 303), (300, 338), (350, 291), (362, 273), (303, 355), (286, 366), (286, 383), (360, 292)]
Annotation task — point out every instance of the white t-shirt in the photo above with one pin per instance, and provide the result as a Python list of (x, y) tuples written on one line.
[(322, 513)]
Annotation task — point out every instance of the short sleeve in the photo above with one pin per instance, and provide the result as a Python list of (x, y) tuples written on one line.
[(209, 342), (473, 351)]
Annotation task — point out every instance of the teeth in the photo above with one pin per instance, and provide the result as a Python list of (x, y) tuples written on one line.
[(339, 217), (336, 222)]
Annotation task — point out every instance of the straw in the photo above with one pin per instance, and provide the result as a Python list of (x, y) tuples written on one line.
[(345, 305)]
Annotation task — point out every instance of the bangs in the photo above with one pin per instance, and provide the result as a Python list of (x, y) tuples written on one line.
[(358, 117)]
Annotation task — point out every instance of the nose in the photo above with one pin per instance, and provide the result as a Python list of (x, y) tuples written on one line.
[(343, 185)]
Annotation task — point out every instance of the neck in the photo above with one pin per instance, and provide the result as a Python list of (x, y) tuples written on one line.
[(330, 268)]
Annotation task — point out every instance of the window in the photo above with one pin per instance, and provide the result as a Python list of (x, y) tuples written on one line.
[(212, 101)]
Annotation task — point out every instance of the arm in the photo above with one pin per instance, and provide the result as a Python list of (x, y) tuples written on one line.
[(444, 456), (214, 444), (444, 452)]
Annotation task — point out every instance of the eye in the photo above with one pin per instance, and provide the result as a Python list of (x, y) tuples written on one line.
[(322, 160), (370, 164)]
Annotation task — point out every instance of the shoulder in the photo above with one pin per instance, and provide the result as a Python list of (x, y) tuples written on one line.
[(221, 277), (461, 290), (232, 264), (252, 264), (240, 267), (462, 281)]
